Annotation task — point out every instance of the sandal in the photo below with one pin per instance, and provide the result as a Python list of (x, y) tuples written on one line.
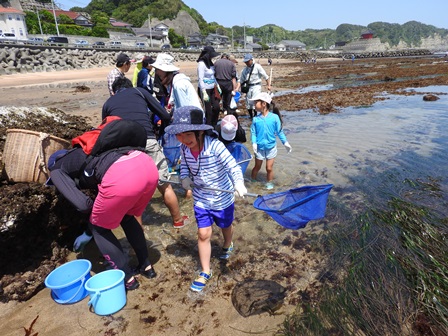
[(150, 273), (226, 252), (131, 285), (184, 221), (200, 282)]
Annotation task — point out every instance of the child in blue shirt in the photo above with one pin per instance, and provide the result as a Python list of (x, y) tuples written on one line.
[(264, 129), (208, 164)]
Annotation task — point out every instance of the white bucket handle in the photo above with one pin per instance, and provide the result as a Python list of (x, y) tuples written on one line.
[(77, 292)]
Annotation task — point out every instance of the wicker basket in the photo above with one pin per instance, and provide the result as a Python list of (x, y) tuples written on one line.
[(26, 154)]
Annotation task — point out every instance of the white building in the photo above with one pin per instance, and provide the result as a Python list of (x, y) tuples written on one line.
[(13, 21), (290, 45)]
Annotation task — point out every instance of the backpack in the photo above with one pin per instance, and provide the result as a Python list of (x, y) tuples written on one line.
[(117, 134), (88, 139), (115, 139)]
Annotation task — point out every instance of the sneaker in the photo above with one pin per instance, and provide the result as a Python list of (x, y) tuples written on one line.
[(131, 285), (226, 252), (200, 281), (184, 221), (269, 186)]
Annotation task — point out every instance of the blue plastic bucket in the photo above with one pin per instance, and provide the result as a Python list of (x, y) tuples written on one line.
[(67, 281), (107, 292), (237, 96), (241, 155)]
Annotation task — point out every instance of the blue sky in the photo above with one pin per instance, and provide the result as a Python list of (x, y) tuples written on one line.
[(301, 15)]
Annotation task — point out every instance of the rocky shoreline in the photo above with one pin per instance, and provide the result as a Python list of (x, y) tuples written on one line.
[(43, 59)]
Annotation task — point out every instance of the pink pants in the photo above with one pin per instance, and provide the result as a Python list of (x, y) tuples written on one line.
[(126, 189)]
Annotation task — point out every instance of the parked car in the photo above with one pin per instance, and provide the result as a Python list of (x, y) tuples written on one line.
[(7, 37), (35, 40), (99, 44), (57, 40), (140, 45), (192, 47), (166, 47), (115, 44), (81, 43)]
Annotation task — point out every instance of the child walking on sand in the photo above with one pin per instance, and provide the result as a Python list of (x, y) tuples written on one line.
[(264, 129), (207, 163)]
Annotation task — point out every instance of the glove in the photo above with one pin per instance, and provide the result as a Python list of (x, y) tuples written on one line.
[(255, 147), (81, 242), (288, 147), (186, 183), (240, 189), (205, 96)]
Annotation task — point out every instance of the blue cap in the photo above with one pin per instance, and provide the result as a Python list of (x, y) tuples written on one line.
[(247, 57)]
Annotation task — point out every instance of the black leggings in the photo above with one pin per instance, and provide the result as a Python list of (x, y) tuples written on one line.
[(112, 250), (212, 107)]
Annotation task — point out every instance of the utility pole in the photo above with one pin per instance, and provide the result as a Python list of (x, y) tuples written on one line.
[(150, 30), (232, 39), (38, 20), (55, 21), (244, 35)]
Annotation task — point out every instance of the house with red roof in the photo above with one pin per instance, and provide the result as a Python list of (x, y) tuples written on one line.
[(119, 24), (13, 21), (80, 19)]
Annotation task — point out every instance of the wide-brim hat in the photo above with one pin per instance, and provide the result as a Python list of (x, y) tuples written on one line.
[(187, 119), (211, 51), (247, 58), (264, 96), (165, 62)]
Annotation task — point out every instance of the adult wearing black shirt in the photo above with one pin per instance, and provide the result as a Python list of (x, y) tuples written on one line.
[(138, 105)]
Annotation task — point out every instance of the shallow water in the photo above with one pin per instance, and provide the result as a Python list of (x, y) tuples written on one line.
[(367, 153)]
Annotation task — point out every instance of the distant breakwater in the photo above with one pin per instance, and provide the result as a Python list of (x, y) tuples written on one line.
[(28, 59)]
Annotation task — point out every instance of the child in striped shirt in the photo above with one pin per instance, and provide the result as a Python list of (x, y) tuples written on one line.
[(209, 165)]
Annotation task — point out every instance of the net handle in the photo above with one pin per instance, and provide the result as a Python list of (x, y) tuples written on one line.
[(209, 188)]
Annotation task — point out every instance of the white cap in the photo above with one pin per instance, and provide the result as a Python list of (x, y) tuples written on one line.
[(264, 96), (229, 126)]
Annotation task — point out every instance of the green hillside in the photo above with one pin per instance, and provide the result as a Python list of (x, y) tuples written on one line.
[(136, 12)]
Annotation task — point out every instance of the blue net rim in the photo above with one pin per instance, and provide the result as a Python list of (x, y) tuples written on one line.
[(321, 189)]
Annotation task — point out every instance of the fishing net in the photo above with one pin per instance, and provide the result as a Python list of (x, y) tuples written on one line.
[(294, 208), (253, 297), (241, 154)]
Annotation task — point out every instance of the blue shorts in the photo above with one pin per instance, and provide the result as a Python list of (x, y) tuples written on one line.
[(266, 154), (222, 218)]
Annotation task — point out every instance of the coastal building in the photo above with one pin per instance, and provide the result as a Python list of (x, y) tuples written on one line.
[(12, 21), (217, 41), (195, 40), (366, 35), (154, 37), (119, 24), (366, 43), (80, 19), (290, 45)]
